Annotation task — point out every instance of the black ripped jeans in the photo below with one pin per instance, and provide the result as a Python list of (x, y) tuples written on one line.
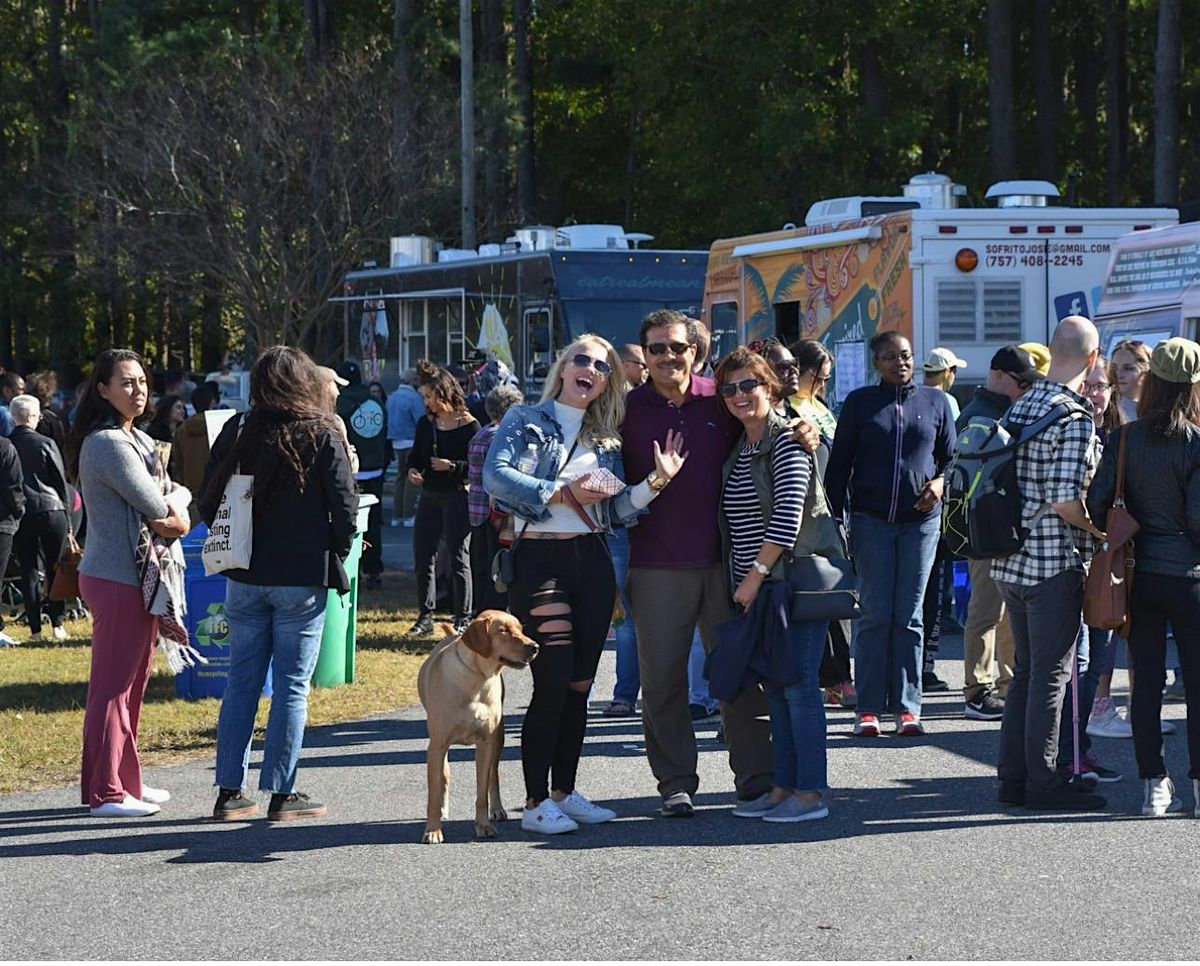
[(565, 581)]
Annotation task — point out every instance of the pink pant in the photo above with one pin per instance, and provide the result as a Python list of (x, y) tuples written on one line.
[(123, 637)]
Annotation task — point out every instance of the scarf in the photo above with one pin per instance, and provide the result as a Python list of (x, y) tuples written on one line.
[(160, 565)]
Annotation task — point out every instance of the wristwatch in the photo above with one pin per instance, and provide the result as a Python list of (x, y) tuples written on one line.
[(656, 482), (762, 569)]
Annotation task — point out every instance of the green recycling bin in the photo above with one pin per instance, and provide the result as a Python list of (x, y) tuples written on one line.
[(335, 663)]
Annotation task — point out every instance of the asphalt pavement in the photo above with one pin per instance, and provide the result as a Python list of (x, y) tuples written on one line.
[(917, 860)]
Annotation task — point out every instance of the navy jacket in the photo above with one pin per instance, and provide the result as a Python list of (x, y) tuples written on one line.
[(890, 442), (754, 646)]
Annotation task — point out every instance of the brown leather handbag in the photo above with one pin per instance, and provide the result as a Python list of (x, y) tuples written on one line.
[(66, 571), (1106, 591)]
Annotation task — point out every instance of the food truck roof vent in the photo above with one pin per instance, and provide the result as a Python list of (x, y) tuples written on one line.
[(533, 238), (1021, 194), (934, 190), (412, 250)]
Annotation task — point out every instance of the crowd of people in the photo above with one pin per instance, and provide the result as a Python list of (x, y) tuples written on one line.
[(650, 493)]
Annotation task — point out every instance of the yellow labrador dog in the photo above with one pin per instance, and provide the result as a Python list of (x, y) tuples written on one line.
[(463, 695)]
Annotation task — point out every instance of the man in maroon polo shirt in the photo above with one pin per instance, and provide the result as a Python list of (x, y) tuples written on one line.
[(676, 576)]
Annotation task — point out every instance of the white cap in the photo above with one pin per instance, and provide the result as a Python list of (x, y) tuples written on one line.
[(940, 359)]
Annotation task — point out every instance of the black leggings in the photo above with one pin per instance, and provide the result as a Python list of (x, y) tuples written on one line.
[(571, 585), (39, 546), (1154, 600), (442, 515)]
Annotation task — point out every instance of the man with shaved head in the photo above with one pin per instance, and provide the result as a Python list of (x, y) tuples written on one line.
[(1042, 582)]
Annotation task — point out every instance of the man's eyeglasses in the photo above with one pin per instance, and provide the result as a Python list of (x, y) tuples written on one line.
[(660, 348), (583, 361), (893, 357), (1097, 386), (731, 389)]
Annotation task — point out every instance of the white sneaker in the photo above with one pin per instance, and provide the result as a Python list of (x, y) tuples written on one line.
[(60, 633), (6, 641), (1160, 797), (583, 811), (130, 807), (1105, 722), (547, 819), (155, 796)]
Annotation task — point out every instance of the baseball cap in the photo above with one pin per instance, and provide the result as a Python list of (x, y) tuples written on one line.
[(1176, 360), (328, 375), (349, 371), (940, 359), (1041, 356), (1017, 362)]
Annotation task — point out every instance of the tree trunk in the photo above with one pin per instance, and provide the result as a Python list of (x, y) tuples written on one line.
[(874, 92), (1166, 103), (466, 78), (493, 62), (1002, 127), (404, 95), (631, 163), (212, 346), (1087, 102), (523, 85), (1116, 97), (1046, 92), (322, 34)]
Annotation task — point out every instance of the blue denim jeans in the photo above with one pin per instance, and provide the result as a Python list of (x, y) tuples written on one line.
[(798, 715), (280, 626), (892, 561), (697, 682), (629, 681), (1094, 649)]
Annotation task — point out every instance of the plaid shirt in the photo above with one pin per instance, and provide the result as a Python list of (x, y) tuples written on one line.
[(478, 503), (1054, 467)]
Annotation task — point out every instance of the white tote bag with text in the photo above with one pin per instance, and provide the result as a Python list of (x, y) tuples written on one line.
[(230, 540)]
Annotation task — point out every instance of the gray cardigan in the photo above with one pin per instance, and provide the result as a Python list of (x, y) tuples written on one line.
[(119, 493)]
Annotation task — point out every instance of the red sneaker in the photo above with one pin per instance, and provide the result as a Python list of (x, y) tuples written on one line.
[(908, 723), (866, 725), (841, 695)]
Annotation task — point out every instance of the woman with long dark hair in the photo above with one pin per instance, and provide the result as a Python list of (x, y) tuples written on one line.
[(437, 463), (1162, 492), (304, 515), (115, 466)]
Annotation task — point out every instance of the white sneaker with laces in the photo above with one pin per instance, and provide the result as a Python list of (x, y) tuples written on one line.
[(130, 807), (1160, 797), (60, 633), (6, 641), (1105, 722), (547, 819), (155, 796), (584, 811)]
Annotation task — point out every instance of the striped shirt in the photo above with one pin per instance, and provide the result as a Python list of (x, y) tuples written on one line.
[(791, 468)]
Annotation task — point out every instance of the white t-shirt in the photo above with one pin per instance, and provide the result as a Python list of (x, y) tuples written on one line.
[(563, 518)]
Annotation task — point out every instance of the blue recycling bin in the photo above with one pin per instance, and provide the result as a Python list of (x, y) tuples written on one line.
[(206, 623)]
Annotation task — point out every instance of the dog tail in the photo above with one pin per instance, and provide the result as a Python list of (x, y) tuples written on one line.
[(447, 630)]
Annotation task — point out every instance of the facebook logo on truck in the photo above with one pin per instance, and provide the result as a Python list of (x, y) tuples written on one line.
[(1073, 303)]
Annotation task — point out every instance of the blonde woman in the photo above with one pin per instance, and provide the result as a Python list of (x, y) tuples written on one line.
[(555, 467)]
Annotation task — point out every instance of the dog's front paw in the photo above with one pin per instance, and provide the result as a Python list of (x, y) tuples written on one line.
[(498, 814), (485, 830), (432, 836)]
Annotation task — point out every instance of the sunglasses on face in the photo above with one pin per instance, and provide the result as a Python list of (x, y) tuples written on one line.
[(582, 360), (786, 366), (731, 389), (660, 348)]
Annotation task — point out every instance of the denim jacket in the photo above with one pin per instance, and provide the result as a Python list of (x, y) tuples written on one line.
[(521, 470)]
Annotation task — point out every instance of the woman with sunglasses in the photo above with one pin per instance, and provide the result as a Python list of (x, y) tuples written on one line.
[(557, 468), (769, 504), (893, 443)]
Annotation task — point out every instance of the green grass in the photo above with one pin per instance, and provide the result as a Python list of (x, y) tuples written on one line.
[(43, 690)]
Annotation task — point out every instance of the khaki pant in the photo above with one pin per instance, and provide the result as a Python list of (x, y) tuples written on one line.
[(987, 638), (667, 604)]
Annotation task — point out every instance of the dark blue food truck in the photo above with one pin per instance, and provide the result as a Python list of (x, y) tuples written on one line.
[(518, 302)]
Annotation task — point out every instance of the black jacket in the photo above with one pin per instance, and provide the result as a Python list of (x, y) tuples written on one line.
[(366, 425), (12, 493), (45, 479), (988, 404), (295, 534)]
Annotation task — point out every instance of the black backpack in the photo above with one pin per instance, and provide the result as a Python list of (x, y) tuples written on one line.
[(981, 502)]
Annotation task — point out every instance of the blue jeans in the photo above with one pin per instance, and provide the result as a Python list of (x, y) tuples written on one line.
[(798, 715), (1094, 649), (629, 681), (893, 561), (697, 682), (280, 626)]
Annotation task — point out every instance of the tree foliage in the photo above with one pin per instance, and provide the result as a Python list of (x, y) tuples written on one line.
[(188, 176)]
